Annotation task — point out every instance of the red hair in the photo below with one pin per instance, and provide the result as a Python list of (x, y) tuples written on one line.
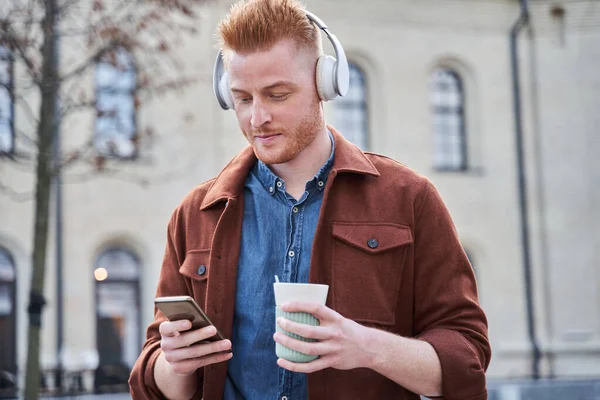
[(256, 25)]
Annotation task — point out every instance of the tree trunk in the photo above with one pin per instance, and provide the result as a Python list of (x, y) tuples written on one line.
[(45, 135)]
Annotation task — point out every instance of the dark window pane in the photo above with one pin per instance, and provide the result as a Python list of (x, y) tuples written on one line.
[(8, 360), (118, 302), (7, 267), (6, 302), (117, 273)]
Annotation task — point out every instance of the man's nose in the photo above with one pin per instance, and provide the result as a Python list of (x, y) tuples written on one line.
[(260, 114)]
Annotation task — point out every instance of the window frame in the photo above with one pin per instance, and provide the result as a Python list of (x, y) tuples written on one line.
[(135, 284), (12, 284), (345, 105), (107, 90), (441, 148)]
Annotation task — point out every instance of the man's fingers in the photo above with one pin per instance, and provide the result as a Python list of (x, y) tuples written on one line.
[(304, 330), (185, 367), (175, 333), (172, 328), (198, 335), (197, 351), (309, 348), (321, 312), (307, 368)]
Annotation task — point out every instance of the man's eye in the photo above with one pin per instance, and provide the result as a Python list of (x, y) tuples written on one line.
[(279, 96), (244, 99)]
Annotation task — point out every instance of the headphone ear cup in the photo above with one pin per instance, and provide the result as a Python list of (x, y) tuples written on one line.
[(325, 77), (224, 90)]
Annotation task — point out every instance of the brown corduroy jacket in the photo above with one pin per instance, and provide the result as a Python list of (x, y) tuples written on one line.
[(416, 283)]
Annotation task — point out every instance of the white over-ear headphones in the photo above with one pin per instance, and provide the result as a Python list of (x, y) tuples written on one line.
[(333, 77)]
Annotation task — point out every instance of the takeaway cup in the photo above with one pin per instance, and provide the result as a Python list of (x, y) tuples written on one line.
[(286, 292)]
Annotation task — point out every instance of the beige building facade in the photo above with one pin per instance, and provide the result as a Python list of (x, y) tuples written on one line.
[(432, 88)]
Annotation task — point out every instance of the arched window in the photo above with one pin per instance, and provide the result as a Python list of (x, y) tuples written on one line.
[(448, 107), (351, 111), (115, 104), (7, 132), (8, 357), (117, 276)]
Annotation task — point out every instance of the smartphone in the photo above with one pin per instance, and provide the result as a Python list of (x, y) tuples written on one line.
[(176, 308)]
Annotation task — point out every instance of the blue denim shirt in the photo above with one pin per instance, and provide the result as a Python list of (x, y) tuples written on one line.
[(277, 239)]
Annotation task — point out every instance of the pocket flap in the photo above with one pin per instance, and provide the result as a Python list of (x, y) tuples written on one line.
[(372, 237), (195, 265)]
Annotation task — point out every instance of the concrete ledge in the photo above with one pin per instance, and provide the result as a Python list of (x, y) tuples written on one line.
[(556, 389)]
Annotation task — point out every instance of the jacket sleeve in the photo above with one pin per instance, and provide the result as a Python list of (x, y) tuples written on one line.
[(142, 385), (447, 311)]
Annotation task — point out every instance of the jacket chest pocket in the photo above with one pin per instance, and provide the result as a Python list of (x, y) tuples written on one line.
[(368, 259), (196, 267)]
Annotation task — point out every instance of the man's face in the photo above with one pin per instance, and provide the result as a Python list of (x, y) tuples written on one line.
[(276, 102)]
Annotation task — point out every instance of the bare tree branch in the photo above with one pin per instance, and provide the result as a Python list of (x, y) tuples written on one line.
[(72, 107), (95, 56), (20, 159), (30, 15), (26, 87), (125, 176), (29, 139), (90, 61), (72, 32), (150, 30), (30, 20), (9, 16), (65, 8), (161, 88), (31, 116), (73, 155), (14, 43)]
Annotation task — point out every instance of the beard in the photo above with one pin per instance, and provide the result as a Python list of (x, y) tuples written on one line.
[(293, 141)]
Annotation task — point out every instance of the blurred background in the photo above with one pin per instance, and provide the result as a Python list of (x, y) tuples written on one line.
[(496, 101)]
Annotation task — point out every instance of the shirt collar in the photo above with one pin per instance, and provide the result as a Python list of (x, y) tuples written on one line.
[(231, 181), (272, 182)]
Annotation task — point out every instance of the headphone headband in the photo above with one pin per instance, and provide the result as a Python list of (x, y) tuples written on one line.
[(342, 73), (333, 75)]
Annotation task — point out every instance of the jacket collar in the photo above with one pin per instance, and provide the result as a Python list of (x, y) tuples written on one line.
[(348, 158)]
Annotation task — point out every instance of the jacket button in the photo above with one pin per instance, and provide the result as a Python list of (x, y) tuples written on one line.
[(373, 243), (201, 270)]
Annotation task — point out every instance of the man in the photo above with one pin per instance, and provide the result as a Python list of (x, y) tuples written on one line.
[(402, 317)]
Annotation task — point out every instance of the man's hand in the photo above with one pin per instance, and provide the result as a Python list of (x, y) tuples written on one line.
[(174, 371), (341, 341), (344, 344), (182, 355)]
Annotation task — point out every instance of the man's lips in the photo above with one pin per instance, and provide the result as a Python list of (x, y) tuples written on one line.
[(267, 138)]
